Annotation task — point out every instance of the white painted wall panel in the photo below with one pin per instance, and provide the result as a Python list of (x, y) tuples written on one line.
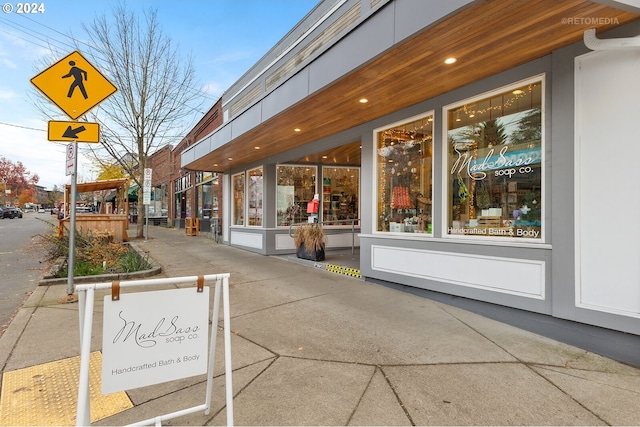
[(250, 240), (607, 148), (284, 241), (508, 275)]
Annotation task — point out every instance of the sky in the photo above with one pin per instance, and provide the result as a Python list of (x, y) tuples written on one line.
[(224, 37)]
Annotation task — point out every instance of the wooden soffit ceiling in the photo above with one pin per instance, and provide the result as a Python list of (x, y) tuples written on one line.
[(487, 38)]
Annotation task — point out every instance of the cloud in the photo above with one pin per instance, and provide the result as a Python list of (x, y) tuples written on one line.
[(212, 88), (229, 57), (7, 94), (39, 156), (7, 63)]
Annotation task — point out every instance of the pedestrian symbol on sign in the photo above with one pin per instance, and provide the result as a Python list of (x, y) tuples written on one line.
[(78, 75)]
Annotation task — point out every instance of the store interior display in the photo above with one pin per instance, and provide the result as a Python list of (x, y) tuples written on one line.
[(296, 186), (255, 195), (495, 164), (340, 189), (405, 177), (238, 199)]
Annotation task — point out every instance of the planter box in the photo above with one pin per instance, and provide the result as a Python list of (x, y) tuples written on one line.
[(312, 255)]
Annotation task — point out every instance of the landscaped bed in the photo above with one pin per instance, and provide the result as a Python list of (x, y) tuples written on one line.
[(97, 257)]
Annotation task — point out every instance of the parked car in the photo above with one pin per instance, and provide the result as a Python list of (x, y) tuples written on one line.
[(2, 212), (11, 212)]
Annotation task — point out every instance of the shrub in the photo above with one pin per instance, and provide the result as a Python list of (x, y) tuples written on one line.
[(95, 253), (312, 235)]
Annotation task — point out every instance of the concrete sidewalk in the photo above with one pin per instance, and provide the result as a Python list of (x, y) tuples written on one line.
[(311, 347)]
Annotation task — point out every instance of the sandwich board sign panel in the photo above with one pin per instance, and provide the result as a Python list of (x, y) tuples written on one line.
[(73, 131), (154, 337), (74, 85)]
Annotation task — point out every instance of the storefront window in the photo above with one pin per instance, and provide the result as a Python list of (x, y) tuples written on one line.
[(159, 201), (494, 174), (405, 168), (340, 190), (178, 205), (296, 186), (205, 200), (187, 195), (238, 199), (255, 197)]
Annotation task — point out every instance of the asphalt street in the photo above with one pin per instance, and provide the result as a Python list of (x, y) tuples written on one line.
[(22, 261)]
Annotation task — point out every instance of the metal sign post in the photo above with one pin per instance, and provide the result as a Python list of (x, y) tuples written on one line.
[(72, 155)]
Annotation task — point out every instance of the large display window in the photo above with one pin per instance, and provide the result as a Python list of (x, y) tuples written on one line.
[(237, 213), (494, 158), (296, 186), (405, 176), (255, 197), (340, 190)]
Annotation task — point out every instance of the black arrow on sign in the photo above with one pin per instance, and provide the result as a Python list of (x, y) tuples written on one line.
[(73, 133)]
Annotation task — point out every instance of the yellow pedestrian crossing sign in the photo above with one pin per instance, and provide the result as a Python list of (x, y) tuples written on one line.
[(74, 85)]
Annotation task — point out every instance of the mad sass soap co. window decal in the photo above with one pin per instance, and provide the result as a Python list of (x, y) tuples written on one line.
[(495, 161)]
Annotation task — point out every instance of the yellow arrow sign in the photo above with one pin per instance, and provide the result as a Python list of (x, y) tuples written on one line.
[(74, 85), (74, 131)]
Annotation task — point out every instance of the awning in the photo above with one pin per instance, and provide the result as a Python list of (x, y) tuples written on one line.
[(107, 184)]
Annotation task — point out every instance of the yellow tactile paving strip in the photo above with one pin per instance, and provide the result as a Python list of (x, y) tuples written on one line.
[(340, 269), (47, 394)]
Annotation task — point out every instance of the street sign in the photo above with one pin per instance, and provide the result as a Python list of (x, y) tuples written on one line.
[(71, 158), (74, 85), (146, 186), (74, 131)]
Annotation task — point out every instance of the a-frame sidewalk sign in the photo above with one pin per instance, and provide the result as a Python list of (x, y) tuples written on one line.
[(150, 337)]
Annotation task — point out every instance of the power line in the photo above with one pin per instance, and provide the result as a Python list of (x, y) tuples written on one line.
[(62, 45), (96, 53), (45, 130), (22, 127)]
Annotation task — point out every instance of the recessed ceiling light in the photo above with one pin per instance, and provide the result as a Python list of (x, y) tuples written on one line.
[(363, 100), (257, 148), (230, 158), (517, 92), (324, 157), (450, 60), (297, 130)]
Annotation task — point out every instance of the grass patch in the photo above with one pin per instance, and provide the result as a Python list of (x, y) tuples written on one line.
[(132, 261)]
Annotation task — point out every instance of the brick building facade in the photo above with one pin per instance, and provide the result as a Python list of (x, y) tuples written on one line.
[(177, 187)]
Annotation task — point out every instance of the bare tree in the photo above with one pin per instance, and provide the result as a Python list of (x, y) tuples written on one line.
[(154, 94)]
